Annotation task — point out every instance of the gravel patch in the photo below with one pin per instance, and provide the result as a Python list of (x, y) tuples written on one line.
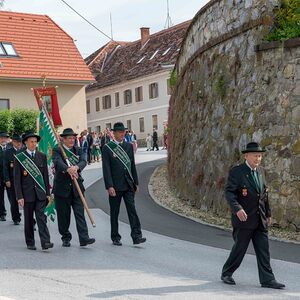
[(167, 197)]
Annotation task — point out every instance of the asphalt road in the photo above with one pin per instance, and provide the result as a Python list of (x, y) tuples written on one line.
[(159, 220)]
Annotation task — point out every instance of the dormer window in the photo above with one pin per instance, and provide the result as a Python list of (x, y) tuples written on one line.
[(7, 49)]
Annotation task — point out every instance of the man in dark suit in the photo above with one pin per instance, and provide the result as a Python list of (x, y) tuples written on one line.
[(8, 172), (89, 139), (155, 140), (33, 192), (121, 181), (246, 193), (65, 192), (3, 146)]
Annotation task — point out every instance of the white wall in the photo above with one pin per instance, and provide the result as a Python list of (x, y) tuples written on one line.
[(135, 110)]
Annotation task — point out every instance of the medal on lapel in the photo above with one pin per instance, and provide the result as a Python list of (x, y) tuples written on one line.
[(11, 164), (244, 191), (25, 173), (114, 155)]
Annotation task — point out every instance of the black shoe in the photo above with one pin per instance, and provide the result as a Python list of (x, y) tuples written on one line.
[(47, 246), (139, 241), (117, 243), (2, 218), (87, 242), (31, 247), (66, 243), (273, 284), (228, 279), (16, 222)]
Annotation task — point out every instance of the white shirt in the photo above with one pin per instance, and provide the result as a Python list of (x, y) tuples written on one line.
[(30, 152)]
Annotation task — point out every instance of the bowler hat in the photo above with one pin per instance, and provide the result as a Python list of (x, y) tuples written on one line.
[(16, 137), (253, 147), (3, 134), (29, 134), (119, 126), (68, 132)]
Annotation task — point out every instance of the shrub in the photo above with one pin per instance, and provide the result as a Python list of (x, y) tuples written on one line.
[(287, 22), (18, 120)]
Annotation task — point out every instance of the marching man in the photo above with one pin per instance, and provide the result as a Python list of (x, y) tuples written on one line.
[(31, 181)]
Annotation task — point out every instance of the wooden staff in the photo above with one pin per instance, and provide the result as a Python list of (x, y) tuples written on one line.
[(68, 162)]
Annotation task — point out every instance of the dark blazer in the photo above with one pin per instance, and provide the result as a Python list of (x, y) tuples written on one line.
[(25, 186), (2, 163), (63, 184), (114, 172), (242, 193), (155, 136), (8, 164)]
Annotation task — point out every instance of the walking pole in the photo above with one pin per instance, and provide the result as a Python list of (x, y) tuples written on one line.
[(68, 162)]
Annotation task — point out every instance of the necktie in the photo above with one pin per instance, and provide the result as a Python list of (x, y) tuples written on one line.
[(32, 155), (255, 178)]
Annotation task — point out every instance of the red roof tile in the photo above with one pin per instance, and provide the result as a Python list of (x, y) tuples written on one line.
[(44, 49), (118, 61)]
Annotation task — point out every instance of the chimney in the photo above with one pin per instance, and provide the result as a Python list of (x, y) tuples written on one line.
[(145, 34)]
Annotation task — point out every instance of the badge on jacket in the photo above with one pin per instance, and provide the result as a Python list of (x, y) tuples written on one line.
[(244, 191), (25, 173), (11, 164)]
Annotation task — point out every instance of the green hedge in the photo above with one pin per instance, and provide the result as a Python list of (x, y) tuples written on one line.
[(18, 120), (287, 22)]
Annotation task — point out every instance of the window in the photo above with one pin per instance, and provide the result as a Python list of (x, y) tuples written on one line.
[(106, 102), (7, 49), (98, 128), (153, 55), (117, 99), (153, 90), (127, 97), (97, 103), (129, 124), (140, 60), (166, 51), (154, 122), (142, 124), (88, 106), (139, 94), (4, 104), (108, 125)]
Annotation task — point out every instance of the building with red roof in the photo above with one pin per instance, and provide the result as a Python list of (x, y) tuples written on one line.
[(34, 47), (132, 81)]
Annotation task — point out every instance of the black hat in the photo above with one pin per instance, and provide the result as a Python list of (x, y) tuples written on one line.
[(29, 134), (253, 147), (119, 126), (68, 132), (16, 137), (3, 134)]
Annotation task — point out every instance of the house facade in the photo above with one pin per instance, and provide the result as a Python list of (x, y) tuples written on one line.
[(132, 81), (34, 51)]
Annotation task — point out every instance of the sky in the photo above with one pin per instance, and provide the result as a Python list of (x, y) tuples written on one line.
[(127, 17)]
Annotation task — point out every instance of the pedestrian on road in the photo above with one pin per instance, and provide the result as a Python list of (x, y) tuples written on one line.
[(64, 190), (31, 181), (8, 172), (3, 145), (247, 194), (149, 142), (155, 140), (121, 181)]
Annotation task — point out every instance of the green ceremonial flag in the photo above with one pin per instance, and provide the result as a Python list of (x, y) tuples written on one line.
[(46, 144)]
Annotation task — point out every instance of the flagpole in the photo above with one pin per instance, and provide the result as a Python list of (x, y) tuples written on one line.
[(67, 160)]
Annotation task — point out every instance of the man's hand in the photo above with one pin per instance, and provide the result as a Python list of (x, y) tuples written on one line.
[(8, 184), (73, 171), (48, 199), (112, 192), (21, 202), (242, 215), (137, 189), (269, 220)]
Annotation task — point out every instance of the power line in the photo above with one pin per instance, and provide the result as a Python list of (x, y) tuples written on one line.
[(81, 16)]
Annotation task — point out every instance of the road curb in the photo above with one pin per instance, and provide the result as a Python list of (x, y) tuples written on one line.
[(151, 194)]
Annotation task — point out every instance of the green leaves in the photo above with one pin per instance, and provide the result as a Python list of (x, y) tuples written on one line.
[(18, 120), (287, 22)]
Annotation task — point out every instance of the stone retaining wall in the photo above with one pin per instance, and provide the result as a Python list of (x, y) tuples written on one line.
[(232, 88)]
